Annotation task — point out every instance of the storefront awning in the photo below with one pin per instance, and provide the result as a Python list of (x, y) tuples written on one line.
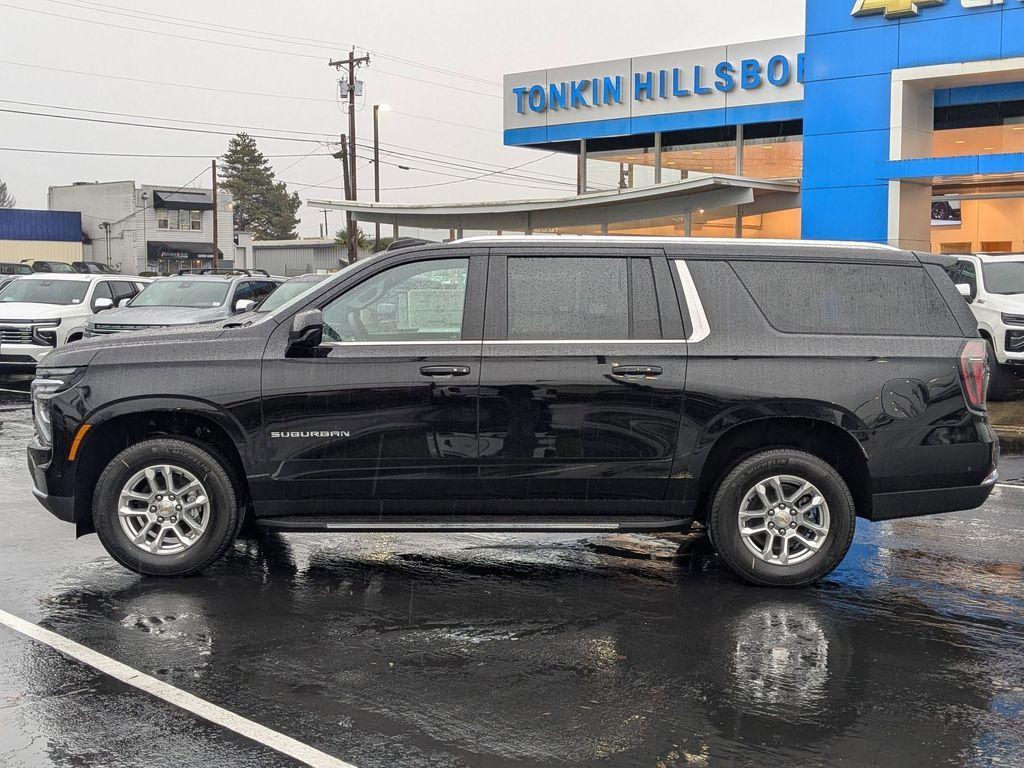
[(599, 208), (183, 201), (156, 249)]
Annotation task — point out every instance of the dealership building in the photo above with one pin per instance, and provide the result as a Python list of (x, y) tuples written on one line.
[(889, 121)]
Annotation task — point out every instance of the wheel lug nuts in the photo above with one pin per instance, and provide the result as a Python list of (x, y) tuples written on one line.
[(159, 498), (178, 507), (152, 509)]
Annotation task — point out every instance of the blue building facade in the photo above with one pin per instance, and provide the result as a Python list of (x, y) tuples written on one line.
[(902, 121), (40, 226)]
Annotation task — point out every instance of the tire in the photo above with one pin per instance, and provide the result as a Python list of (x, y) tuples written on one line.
[(219, 517), (739, 491), (1001, 381)]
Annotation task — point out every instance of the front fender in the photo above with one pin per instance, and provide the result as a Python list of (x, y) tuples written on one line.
[(248, 451)]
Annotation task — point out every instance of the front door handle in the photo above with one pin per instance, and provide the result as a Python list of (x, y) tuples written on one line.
[(637, 370), (444, 371)]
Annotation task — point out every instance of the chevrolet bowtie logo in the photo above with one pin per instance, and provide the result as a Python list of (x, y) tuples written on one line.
[(893, 9)]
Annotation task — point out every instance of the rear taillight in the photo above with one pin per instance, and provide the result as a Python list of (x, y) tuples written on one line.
[(974, 373)]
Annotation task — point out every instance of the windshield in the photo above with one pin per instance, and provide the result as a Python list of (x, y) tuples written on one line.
[(1004, 278), (285, 293), (198, 294), (62, 292), (335, 277), (53, 266)]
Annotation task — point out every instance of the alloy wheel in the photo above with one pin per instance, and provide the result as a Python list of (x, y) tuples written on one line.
[(164, 509), (784, 520)]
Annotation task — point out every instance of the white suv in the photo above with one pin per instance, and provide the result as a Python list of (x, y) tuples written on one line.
[(42, 311), (993, 285)]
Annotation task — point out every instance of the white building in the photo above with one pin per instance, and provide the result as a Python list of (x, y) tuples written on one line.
[(149, 228)]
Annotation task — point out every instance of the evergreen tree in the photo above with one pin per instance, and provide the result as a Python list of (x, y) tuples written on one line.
[(262, 205), (7, 200)]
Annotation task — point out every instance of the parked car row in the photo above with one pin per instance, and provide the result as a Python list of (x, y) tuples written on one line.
[(41, 311), (28, 266), (774, 392)]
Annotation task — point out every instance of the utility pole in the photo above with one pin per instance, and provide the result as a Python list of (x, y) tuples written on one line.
[(213, 167), (350, 235), (352, 62)]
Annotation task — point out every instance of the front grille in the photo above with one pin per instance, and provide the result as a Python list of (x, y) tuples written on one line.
[(16, 335), (1015, 341)]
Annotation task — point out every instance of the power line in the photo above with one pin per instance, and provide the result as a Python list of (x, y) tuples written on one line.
[(483, 178), (258, 94), (277, 36), (33, 150), (180, 129), (166, 119), (205, 41)]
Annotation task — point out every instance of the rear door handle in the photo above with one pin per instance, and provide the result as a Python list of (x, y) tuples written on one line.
[(444, 371), (637, 370)]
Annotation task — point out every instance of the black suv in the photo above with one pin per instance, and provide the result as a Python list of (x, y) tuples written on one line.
[(771, 391)]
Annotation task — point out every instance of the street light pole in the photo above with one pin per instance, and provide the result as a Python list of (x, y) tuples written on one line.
[(377, 109)]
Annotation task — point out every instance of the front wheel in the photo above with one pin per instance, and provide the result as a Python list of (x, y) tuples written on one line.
[(782, 518), (166, 507)]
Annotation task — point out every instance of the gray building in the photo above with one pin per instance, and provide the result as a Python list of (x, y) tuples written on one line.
[(297, 257), (149, 228)]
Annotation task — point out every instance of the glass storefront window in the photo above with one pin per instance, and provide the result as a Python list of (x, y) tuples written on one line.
[(987, 140), (620, 169), (991, 225), (689, 161), (773, 158)]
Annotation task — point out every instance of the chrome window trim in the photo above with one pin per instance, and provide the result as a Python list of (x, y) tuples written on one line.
[(480, 342), (695, 308)]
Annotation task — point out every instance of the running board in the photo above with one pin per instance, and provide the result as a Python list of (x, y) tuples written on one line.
[(449, 525)]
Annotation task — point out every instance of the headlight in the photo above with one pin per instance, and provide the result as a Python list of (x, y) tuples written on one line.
[(50, 383), (1013, 319), (45, 332)]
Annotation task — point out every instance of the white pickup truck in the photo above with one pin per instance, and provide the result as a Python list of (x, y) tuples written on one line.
[(993, 285), (42, 311)]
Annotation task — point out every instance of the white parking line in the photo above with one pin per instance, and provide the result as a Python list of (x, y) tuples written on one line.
[(179, 698), (1010, 485)]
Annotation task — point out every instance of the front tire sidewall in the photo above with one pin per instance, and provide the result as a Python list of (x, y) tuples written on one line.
[(724, 521), (208, 469)]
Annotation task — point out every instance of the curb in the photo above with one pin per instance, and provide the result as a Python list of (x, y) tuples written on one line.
[(1010, 437)]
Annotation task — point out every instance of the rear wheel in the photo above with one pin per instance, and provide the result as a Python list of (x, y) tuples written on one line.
[(166, 507), (782, 517)]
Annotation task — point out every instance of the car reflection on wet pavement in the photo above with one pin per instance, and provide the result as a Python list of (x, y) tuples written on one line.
[(476, 650)]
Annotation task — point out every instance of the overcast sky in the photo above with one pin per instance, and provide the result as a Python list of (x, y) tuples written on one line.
[(480, 39)]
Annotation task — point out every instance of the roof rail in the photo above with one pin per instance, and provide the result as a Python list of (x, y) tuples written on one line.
[(407, 242), (224, 271), (660, 240)]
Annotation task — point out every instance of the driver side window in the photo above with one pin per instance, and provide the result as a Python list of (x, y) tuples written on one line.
[(420, 301)]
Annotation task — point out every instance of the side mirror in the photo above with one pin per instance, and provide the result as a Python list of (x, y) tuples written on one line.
[(307, 333), (965, 290), (102, 303), (244, 305)]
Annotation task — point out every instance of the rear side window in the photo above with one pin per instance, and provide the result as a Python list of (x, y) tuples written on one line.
[(581, 298), (868, 299)]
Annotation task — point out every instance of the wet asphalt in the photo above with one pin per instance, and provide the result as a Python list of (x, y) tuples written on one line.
[(502, 651)]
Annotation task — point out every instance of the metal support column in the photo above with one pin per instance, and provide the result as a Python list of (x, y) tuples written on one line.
[(581, 169), (657, 157)]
